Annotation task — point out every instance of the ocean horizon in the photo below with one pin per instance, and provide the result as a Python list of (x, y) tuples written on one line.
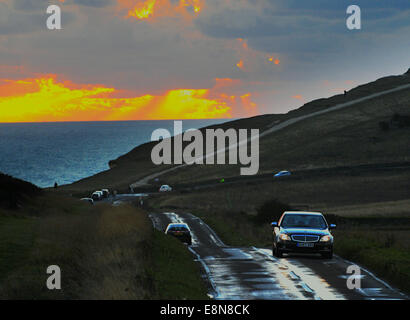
[(64, 152)]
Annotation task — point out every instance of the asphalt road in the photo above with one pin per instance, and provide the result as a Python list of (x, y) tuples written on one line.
[(354, 170), (253, 273), (120, 199)]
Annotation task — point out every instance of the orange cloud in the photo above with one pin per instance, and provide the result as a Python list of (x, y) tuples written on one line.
[(150, 9), (253, 60), (249, 106), (143, 10), (273, 60), (45, 99), (240, 65), (226, 82), (244, 43)]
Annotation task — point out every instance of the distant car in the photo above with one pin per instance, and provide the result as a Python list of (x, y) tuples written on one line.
[(282, 173), (89, 200), (105, 192), (180, 231), (303, 232), (97, 195), (165, 188)]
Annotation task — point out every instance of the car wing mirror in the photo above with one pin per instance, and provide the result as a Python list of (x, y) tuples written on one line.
[(274, 224), (332, 226)]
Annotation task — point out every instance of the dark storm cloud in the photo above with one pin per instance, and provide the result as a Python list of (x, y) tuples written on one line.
[(20, 19), (303, 25), (94, 3), (18, 22), (37, 5), (302, 17), (248, 23), (340, 4), (31, 5), (27, 16), (309, 38)]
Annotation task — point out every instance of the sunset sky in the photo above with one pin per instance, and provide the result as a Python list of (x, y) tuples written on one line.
[(190, 59)]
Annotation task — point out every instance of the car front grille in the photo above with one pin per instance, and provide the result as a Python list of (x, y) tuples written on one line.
[(305, 238)]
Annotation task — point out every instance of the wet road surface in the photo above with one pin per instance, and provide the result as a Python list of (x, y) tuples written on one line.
[(253, 273)]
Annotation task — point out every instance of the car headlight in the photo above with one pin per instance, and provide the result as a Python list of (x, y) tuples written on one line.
[(284, 237), (325, 239)]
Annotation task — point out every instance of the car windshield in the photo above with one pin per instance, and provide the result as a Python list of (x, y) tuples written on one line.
[(303, 221)]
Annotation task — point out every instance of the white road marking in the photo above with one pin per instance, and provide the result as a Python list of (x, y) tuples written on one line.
[(368, 291), (309, 280)]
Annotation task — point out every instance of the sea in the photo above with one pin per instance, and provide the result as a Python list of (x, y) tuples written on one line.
[(64, 152)]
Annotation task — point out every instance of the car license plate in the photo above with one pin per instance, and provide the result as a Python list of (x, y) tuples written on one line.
[(305, 244)]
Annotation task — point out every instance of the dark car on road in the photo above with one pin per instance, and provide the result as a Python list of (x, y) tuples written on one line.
[(302, 232), (106, 193), (180, 231), (96, 196)]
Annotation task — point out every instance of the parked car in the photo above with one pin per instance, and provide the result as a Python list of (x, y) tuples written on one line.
[(180, 231), (89, 200), (97, 195), (106, 193), (165, 188), (303, 232), (282, 173)]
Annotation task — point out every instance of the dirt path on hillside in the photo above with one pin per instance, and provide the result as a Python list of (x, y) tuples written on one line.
[(275, 127)]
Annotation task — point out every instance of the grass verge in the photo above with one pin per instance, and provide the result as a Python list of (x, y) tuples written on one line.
[(99, 250), (104, 252), (174, 273), (16, 240), (382, 250)]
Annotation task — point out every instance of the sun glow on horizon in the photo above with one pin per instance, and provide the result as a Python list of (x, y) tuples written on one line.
[(46, 99)]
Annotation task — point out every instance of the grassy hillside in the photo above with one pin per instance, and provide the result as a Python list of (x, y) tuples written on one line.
[(97, 249), (104, 252), (13, 192), (351, 135)]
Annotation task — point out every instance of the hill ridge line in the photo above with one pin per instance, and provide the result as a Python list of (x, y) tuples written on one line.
[(275, 128)]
